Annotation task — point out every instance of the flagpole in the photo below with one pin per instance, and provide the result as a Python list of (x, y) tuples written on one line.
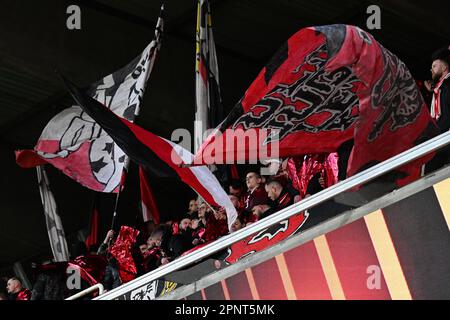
[(153, 50), (121, 186)]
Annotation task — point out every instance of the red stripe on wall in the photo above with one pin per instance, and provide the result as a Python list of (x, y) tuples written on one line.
[(239, 288), (357, 263), (306, 273), (215, 292), (268, 281)]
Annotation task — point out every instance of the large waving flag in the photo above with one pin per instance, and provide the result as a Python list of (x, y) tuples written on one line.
[(74, 143), (159, 157), (209, 111), (325, 86)]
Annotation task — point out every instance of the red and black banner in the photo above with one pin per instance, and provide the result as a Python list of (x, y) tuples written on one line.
[(325, 86), (149, 205)]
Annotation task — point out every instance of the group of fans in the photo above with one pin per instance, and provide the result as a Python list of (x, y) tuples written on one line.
[(134, 253), (130, 253)]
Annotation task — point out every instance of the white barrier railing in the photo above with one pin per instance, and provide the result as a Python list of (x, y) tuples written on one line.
[(298, 239), (222, 243), (87, 291)]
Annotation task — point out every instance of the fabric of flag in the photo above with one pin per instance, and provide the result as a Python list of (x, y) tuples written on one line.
[(159, 157), (55, 228), (92, 236), (75, 144), (148, 202), (209, 111), (327, 85)]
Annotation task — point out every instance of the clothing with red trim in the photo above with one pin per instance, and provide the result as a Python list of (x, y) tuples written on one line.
[(440, 105)]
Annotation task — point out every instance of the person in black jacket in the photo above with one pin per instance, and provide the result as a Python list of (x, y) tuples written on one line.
[(112, 277), (16, 290), (50, 281), (279, 197), (171, 245), (440, 105), (440, 88)]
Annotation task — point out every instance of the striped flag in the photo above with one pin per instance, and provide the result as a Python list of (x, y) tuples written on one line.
[(325, 86), (209, 110), (55, 228)]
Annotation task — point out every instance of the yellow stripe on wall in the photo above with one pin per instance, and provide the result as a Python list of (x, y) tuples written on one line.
[(442, 190), (285, 277), (252, 284), (329, 269), (387, 256)]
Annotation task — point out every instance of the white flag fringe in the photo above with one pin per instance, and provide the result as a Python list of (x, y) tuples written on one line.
[(55, 229)]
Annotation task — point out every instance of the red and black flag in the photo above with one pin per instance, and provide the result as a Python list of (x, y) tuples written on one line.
[(209, 111), (159, 157), (325, 86), (92, 234), (148, 202)]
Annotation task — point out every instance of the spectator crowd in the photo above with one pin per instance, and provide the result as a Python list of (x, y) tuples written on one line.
[(128, 253)]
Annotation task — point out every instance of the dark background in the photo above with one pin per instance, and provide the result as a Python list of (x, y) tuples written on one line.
[(34, 41)]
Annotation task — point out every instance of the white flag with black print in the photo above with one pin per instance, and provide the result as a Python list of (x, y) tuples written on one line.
[(75, 144), (55, 229)]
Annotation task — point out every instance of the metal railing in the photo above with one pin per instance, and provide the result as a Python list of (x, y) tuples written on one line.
[(87, 291), (324, 195), (302, 237)]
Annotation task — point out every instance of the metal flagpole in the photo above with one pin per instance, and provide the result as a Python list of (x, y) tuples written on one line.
[(152, 55), (121, 186)]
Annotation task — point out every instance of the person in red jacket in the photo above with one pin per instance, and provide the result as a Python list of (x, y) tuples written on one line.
[(255, 196), (16, 290), (256, 193)]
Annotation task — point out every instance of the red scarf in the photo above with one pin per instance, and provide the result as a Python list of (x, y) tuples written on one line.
[(436, 102)]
